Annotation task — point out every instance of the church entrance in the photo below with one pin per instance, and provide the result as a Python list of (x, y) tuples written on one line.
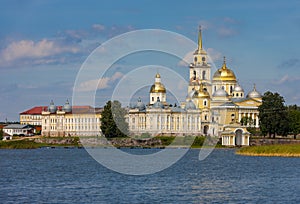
[(205, 129), (238, 137)]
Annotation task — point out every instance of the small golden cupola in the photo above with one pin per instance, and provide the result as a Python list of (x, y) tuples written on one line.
[(157, 91), (201, 93), (157, 87), (224, 74), (201, 97)]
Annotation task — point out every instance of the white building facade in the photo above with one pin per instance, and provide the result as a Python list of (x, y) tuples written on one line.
[(213, 104)]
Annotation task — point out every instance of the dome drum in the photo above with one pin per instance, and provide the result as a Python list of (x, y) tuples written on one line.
[(67, 107), (158, 104), (254, 93), (52, 108), (220, 93), (190, 105)]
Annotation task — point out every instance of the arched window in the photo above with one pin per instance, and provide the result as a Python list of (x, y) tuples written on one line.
[(232, 117), (241, 94), (230, 89), (205, 103), (205, 117), (237, 94), (215, 88), (194, 75), (223, 87), (203, 75), (158, 98)]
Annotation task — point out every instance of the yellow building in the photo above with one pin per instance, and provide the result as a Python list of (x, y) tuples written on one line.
[(70, 120), (32, 116), (214, 105)]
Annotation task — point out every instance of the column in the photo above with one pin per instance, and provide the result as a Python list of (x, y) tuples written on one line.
[(257, 122)]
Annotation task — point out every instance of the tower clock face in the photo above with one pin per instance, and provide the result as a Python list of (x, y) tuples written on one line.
[(203, 59), (195, 59)]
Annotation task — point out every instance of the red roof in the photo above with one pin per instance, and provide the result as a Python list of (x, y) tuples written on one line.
[(37, 110)]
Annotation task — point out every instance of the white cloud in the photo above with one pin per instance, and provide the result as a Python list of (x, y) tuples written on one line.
[(230, 20), (99, 84), (214, 54), (187, 59), (76, 34), (226, 32), (286, 78), (116, 76), (98, 27), (28, 49), (205, 25), (283, 79)]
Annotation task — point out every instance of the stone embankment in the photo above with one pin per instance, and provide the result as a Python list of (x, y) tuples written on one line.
[(121, 142), (57, 141), (268, 141)]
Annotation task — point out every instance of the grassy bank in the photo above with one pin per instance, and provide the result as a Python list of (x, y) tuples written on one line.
[(19, 144), (197, 142), (38, 143), (289, 150)]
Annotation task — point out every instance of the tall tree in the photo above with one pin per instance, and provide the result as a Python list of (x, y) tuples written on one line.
[(294, 120), (273, 115), (113, 123), (1, 134)]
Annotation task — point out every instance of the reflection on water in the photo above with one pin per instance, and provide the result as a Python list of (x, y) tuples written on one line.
[(72, 176)]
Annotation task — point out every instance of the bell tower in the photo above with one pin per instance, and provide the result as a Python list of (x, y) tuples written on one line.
[(200, 69)]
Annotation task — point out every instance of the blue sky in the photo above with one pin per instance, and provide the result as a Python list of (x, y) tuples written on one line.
[(44, 43)]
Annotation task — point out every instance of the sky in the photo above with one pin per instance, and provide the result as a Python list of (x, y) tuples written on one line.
[(43, 45)]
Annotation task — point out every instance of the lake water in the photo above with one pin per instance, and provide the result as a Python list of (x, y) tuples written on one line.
[(72, 176)]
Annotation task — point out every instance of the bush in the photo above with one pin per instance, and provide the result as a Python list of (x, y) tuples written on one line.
[(166, 140), (198, 142), (254, 131)]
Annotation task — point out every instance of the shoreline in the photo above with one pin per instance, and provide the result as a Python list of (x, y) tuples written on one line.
[(91, 142), (283, 150), (268, 154)]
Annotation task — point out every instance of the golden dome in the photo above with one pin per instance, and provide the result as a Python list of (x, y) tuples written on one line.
[(201, 93), (158, 88), (224, 74)]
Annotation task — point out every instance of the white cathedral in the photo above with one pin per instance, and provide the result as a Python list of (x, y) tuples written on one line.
[(214, 106)]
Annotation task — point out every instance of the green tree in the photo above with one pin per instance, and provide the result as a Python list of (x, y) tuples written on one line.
[(247, 121), (113, 123), (1, 134), (294, 120), (273, 115)]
